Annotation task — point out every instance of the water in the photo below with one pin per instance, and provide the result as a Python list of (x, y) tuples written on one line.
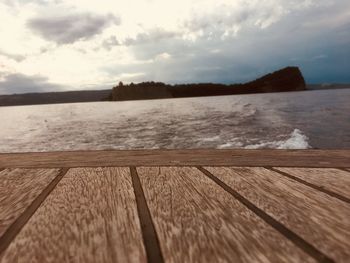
[(295, 120)]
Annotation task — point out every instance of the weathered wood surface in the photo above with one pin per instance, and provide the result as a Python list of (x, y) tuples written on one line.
[(197, 221), (90, 216), (281, 158), (334, 180), (173, 212), (18, 189), (318, 218)]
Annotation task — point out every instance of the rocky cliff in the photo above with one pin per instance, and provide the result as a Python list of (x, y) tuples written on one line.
[(287, 79)]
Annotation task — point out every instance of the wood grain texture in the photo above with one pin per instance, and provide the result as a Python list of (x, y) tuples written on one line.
[(90, 216), (334, 180), (18, 189), (197, 221), (200, 157), (320, 219)]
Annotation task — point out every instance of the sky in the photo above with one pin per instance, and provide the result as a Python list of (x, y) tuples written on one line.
[(58, 45)]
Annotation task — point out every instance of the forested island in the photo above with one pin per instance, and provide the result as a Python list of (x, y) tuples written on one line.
[(287, 79)]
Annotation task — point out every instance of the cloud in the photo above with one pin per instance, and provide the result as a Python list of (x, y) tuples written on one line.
[(151, 36), (311, 59), (221, 21), (68, 29), (227, 19), (110, 42), (16, 57), (174, 41), (39, 2), (266, 37), (20, 83), (144, 39)]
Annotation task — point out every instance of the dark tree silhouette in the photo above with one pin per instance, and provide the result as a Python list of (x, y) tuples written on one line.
[(287, 79)]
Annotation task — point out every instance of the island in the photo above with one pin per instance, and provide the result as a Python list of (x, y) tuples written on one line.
[(287, 79)]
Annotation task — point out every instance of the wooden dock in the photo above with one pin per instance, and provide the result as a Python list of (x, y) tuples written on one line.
[(175, 206)]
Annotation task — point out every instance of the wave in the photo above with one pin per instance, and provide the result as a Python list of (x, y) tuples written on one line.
[(297, 140)]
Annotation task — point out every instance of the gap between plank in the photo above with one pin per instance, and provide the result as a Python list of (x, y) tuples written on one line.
[(316, 187), (286, 232), (149, 235), (19, 223)]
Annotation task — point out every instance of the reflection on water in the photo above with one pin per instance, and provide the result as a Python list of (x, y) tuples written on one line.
[(312, 119)]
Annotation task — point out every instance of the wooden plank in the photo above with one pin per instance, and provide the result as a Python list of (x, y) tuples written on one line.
[(318, 218), (197, 221), (18, 189), (13, 230), (200, 157), (90, 216), (334, 180)]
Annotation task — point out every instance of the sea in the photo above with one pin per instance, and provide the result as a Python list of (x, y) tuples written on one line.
[(317, 119)]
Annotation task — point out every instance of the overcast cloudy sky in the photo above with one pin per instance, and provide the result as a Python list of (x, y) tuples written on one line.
[(51, 45)]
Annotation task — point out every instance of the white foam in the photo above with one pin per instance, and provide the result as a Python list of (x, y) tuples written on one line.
[(226, 146), (211, 139), (297, 140)]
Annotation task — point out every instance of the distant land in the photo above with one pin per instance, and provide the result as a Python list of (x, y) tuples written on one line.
[(287, 79), (54, 97)]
